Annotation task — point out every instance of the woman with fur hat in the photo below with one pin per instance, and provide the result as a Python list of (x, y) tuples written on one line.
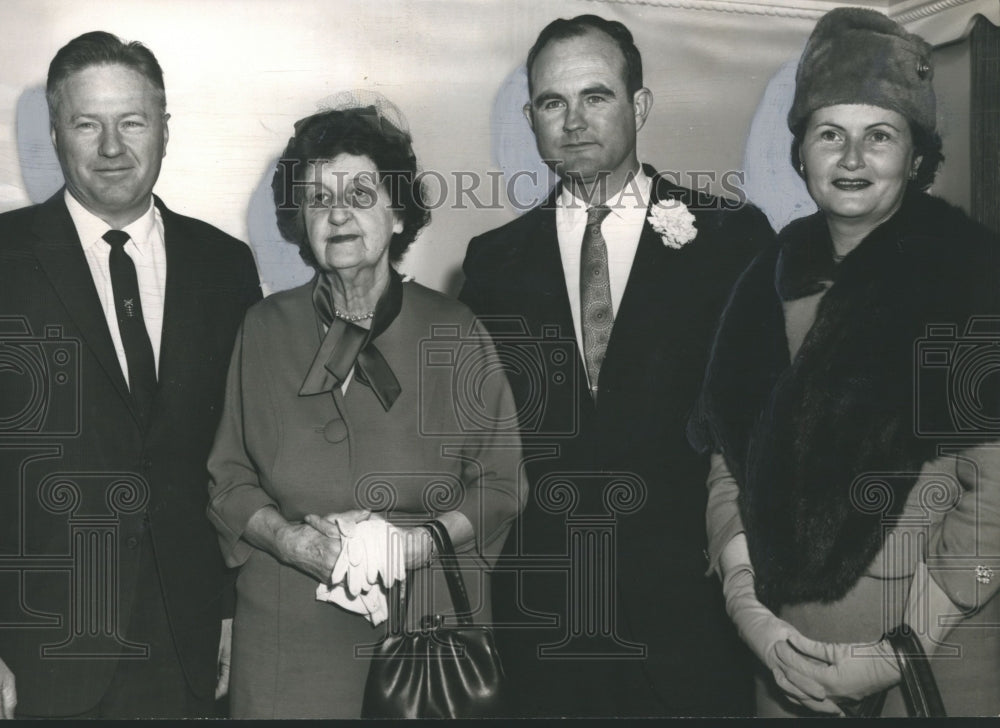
[(852, 404)]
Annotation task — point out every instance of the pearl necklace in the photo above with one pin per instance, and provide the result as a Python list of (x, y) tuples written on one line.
[(352, 317)]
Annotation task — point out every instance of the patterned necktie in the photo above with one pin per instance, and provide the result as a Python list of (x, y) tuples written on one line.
[(596, 314), (131, 325)]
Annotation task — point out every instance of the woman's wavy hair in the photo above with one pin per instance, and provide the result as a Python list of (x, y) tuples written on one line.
[(360, 131)]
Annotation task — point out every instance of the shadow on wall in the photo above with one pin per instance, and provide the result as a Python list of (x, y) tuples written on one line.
[(39, 165), (278, 260), (771, 182), (527, 180)]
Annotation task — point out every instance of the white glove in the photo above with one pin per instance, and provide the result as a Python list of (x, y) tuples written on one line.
[(843, 670), (371, 560), (382, 543), (351, 567), (8, 692), (756, 624), (763, 632)]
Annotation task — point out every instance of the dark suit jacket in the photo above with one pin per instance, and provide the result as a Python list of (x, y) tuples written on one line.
[(649, 380), (79, 477)]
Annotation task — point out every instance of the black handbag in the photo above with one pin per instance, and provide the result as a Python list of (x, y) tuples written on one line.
[(441, 671), (918, 686)]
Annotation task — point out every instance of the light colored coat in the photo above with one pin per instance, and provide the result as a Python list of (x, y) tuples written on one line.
[(950, 525)]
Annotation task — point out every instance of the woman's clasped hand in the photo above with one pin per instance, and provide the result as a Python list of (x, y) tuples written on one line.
[(836, 671), (313, 549)]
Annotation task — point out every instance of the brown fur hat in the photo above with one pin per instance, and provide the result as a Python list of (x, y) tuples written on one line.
[(859, 56)]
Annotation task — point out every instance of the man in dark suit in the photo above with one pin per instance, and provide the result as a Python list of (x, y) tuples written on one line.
[(117, 319), (608, 611)]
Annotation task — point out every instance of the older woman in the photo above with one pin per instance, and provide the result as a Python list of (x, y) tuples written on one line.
[(854, 486), (342, 400)]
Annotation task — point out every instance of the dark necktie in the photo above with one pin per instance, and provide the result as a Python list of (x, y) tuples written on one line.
[(596, 314), (131, 325)]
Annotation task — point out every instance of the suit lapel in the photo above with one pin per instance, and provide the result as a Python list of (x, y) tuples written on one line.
[(545, 274), (180, 307), (645, 278), (61, 256), (657, 285)]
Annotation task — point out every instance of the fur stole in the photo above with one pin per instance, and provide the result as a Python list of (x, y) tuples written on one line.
[(858, 400)]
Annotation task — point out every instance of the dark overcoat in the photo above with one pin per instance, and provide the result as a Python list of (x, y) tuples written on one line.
[(81, 478), (665, 647)]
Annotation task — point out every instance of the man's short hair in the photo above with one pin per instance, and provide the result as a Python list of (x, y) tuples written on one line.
[(98, 48), (563, 29)]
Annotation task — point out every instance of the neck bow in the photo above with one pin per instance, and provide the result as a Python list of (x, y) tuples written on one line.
[(346, 345)]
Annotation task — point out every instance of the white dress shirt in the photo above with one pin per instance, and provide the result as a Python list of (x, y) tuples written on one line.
[(621, 229), (148, 252)]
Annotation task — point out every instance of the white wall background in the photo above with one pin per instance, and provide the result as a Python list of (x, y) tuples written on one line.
[(239, 73)]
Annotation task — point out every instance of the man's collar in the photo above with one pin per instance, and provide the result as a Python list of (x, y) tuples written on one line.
[(634, 194), (91, 228)]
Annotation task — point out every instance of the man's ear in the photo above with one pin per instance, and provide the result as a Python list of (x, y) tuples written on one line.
[(166, 133), (528, 115), (642, 102)]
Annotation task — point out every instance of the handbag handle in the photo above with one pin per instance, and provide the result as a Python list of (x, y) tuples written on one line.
[(919, 688), (399, 595), (456, 585), (917, 685)]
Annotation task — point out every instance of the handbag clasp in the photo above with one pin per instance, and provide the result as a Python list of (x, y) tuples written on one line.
[(431, 622)]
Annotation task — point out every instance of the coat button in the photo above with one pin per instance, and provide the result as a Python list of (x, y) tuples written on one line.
[(132, 542), (335, 431)]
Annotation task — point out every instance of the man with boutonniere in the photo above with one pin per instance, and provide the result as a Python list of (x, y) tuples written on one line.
[(612, 287)]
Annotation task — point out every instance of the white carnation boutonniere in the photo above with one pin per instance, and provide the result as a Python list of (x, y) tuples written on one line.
[(673, 222)]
